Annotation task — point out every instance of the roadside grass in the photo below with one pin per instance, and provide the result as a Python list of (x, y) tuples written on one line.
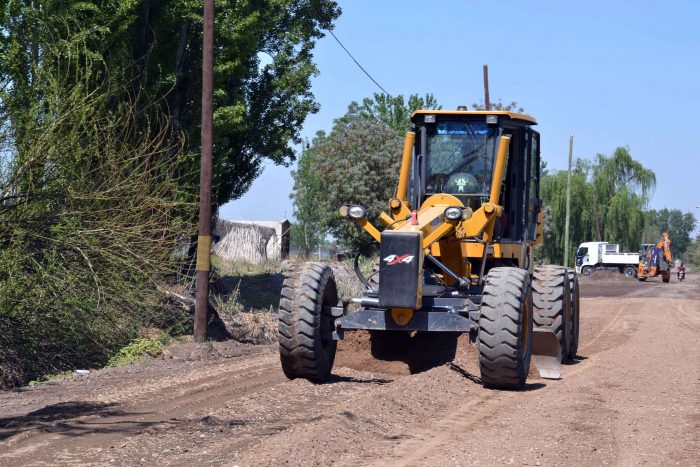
[(241, 268), (247, 296), (349, 285), (137, 350), (50, 378), (242, 287)]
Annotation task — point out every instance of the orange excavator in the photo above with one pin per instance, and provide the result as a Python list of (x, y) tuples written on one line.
[(656, 260)]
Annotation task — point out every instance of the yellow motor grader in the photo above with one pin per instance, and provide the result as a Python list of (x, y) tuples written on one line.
[(456, 256)]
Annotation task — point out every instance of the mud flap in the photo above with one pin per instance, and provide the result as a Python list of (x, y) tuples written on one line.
[(547, 353)]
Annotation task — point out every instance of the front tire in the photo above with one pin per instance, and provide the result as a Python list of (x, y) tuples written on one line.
[(306, 351), (587, 270), (552, 299), (505, 328)]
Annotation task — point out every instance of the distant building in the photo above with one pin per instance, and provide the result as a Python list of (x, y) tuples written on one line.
[(252, 241)]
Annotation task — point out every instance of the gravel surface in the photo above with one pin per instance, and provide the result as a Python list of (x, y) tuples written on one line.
[(631, 397)]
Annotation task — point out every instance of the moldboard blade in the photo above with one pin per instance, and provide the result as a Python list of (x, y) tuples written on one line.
[(547, 353)]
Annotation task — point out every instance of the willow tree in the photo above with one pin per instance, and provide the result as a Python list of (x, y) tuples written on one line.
[(553, 193), (608, 198), (621, 189)]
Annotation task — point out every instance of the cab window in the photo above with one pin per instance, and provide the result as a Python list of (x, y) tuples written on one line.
[(460, 158)]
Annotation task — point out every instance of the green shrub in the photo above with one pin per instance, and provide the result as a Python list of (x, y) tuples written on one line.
[(135, 351)]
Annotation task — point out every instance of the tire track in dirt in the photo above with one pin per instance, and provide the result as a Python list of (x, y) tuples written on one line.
[(194, 379), (300, 414), (440, 442), (687, 317), (606, 328), (180, 400), (443, 433), (458, 423)]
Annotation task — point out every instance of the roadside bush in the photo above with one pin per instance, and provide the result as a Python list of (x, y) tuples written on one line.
[(90, 217)]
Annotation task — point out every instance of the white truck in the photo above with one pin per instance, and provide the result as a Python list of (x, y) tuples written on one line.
[(593, 256)]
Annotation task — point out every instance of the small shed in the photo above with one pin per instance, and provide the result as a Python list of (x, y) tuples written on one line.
[(252, 241)]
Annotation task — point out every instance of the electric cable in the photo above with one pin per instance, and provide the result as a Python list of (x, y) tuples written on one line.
[(358, 63)]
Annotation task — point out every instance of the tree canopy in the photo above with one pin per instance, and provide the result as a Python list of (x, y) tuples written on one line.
[(357, 162), (263, 68), (678, 224), (692, 255), (500, 106)]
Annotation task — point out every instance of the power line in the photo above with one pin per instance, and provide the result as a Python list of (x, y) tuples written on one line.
[(358, 63)]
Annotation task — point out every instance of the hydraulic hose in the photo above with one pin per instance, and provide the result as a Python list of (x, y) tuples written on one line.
[(362, 278)]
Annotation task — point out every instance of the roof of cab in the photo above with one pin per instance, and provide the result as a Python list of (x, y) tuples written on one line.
[(513, 115)]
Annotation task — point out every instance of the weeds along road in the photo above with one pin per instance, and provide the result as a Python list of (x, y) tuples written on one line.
[(633, 397)]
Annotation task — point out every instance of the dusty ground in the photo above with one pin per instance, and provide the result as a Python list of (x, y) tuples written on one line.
[(632, 397)]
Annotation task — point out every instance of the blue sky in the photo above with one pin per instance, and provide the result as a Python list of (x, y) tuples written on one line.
[(615, 73)]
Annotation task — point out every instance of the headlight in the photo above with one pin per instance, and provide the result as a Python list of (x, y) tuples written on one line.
[(453, 213), (357, 212)]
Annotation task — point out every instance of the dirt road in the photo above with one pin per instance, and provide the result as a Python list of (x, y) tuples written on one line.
[(633, 397)]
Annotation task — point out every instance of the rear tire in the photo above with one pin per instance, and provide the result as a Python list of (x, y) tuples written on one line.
[(666, 279), (575, 312), (505, 328), (304, 352), (630, 271), (552, 299)]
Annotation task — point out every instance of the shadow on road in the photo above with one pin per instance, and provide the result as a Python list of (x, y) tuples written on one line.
[(464, 373), (420, 351), (475, 379), (349, 379), (61, 418), (575, 360), (260, 291)]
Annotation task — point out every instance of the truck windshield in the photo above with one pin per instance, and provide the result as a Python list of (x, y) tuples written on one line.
[(583, 251), (460, 158)]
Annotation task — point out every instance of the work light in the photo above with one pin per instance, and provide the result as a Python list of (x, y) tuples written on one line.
[(357, 212), (453, 213)]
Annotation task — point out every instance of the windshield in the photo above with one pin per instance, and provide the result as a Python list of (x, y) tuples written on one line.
[(583, 251), (460, 157)]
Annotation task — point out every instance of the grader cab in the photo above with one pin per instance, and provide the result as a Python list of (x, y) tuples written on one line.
[(456, 254)]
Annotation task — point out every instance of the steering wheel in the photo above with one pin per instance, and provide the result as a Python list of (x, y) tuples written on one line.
[(462, 182)]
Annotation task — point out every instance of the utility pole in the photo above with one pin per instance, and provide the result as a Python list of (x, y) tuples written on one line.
[(204, 238), (487, 102), (568, 202)]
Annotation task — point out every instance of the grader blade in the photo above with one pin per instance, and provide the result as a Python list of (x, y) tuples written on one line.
[(547, 353)]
